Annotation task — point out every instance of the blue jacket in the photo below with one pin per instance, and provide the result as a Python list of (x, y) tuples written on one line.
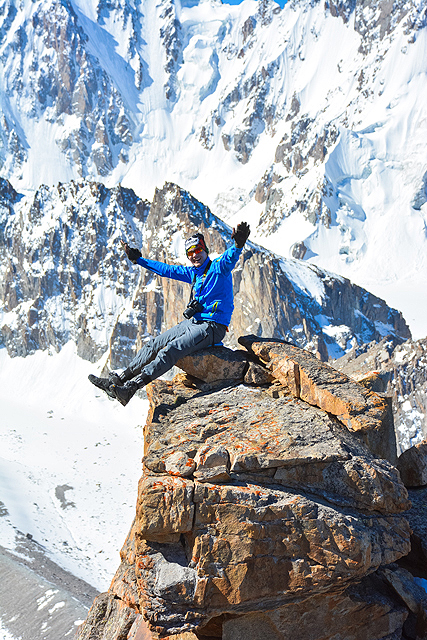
[(214, 291)]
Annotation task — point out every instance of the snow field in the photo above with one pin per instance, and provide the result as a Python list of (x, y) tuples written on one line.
[(70, 462)]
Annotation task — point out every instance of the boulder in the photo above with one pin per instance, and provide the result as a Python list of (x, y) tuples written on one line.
[(261, 514), (362, 611), (274, 440), (318, 384), (216, 364), (403, 583), (412, 465), (416, 560), (412, 595)]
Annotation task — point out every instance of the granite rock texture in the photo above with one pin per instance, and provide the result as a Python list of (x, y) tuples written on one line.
[(257, 508), (216, 364), (400, 370), (359, 409), (412, 465)]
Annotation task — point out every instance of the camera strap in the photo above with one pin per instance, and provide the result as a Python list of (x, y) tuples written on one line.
[(194, 281)]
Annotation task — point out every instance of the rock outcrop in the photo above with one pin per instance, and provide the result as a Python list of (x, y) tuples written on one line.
[(359, 409), (412, 465), (400, 370), (260, 503)]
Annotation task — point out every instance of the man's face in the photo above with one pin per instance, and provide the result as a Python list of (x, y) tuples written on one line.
[(197, 256)]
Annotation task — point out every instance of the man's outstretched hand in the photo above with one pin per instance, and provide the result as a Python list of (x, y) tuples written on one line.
[(132, 254), (241, 234)]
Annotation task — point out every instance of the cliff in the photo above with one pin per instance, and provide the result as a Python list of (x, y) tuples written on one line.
[(269, 508), (321, 148), (64, 277), (399, 369)]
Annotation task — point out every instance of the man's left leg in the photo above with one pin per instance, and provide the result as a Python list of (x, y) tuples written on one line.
[(145, 355), (197, 336)]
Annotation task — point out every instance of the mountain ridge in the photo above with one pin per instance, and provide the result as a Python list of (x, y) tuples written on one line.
[(247, 107), (66, 278)]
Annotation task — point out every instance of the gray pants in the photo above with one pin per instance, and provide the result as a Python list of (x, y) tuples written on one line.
[(160, 354)]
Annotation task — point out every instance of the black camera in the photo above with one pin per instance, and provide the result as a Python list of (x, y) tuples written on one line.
[(193, 307)]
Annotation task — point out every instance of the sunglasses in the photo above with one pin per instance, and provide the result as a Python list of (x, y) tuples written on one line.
[(192, 251)]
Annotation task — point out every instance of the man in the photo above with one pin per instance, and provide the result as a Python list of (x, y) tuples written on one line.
[(206, 320)]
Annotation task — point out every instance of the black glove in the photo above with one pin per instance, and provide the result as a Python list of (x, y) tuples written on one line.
[(241, 234), (132, 254)]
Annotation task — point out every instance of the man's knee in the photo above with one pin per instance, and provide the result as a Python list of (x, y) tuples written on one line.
[(184, 345)]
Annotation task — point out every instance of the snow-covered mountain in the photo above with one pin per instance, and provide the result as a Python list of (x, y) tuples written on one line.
[(64, 277), (309, 121)]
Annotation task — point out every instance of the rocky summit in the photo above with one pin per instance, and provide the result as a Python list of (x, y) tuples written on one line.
[(269, 508)]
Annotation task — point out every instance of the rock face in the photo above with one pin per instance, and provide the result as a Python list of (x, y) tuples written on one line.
[(362, 611), (412, 465), (399, 369), (257, 506), (359, 409), (416, 561), (64, 277)]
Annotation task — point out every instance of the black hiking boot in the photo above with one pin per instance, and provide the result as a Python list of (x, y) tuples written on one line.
[(124, 392), (105, 383)]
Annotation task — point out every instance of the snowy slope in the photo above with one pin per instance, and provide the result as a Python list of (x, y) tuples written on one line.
[(310, 121), (70, 461)]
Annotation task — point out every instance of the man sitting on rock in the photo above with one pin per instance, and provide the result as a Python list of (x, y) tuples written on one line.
[(207, 315)]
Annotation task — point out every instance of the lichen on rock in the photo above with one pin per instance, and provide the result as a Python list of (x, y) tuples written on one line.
[(253, 502)]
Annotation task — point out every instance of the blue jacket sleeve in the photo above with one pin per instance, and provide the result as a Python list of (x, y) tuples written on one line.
[(228, 259), (176, 272)]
